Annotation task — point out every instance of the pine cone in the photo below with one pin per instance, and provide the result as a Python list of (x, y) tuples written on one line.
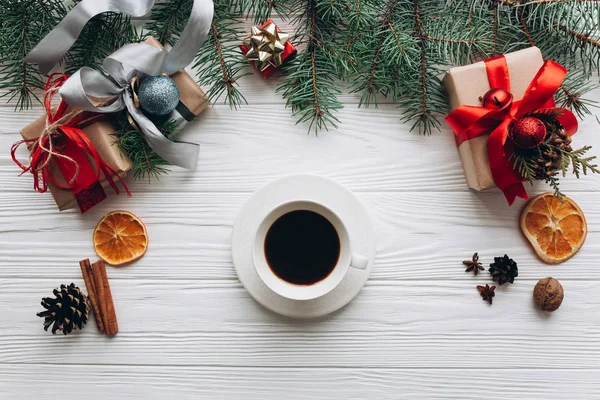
[(503, 270), (549, 161), (67, 311)]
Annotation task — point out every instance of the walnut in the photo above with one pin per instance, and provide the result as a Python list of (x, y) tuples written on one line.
[(548, 294)]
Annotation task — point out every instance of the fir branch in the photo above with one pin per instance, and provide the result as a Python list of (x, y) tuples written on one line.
[(580, 36), (421, 96), (525, 29), (219, 62), (370, 92), (421, 117), (310, 88), (449, 33), (532, 2), (102, 35), (23, 23), (261, 10), (168, 20), (450, 40), (145, 162), (495, 41), (510, 3), (572, 92)]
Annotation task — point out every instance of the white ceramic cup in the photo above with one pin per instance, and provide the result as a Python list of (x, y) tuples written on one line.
[(346, 260)]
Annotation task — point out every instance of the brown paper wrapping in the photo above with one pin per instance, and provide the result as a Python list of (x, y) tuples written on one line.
[(100, 134), (465, 85), (191, 95)]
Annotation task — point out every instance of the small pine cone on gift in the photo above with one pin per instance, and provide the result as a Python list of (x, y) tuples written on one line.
[(547, 154), (560, 138), (68, 310), (547, 164), (503, 270), (550, 159)]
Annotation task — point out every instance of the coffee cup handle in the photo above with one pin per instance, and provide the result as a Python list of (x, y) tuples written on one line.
[(359, 262)]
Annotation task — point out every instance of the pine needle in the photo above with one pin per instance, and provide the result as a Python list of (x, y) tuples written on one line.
[(145, 162)]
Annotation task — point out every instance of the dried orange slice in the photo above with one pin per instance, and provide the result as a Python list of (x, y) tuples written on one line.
[(555, 229), (120, 237)]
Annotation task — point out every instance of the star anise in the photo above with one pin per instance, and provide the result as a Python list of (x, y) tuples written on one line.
[(487, 292), (473, 264)]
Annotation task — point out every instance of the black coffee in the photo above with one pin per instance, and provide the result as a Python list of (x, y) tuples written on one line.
[(302, 247)]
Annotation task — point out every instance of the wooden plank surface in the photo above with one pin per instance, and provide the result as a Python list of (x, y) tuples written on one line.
[(410, 324), (188, 329), (215, 382)]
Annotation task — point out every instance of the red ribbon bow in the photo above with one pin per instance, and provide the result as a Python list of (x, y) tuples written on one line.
[(63, 143), (469, 122)]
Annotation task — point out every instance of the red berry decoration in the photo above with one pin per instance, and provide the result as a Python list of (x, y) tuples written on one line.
[(498, 99), (528, 132)]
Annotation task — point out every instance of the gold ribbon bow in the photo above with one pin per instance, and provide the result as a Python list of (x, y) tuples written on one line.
[(266, 46)]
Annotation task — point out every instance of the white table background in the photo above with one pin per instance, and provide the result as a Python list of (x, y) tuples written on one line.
[(188, 329)]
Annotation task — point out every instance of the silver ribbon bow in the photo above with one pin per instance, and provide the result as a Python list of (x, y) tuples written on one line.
[(83, 89)]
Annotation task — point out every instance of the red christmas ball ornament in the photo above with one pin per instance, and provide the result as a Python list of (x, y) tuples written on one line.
[(528, 132), (497, 99)]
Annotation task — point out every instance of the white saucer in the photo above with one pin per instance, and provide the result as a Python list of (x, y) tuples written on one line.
[(306, 188)]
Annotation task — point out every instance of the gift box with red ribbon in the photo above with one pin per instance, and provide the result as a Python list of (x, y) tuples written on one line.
[(486, 98), (72, 154), (267, 48)]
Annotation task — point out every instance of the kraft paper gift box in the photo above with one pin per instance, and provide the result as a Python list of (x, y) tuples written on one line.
[(192, 100), (100, 134), (465, 86)]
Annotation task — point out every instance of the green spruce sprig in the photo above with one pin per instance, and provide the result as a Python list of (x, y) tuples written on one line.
[(102, 35), (400, 56), (571, 94), (380, 50), (219, 63), (261, 10), (168, 20), (146, 164), (422, 96), (311, 86), (23, 23), (399, 53)]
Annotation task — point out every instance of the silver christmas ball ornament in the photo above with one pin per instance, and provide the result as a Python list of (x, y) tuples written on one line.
[(158, 95)]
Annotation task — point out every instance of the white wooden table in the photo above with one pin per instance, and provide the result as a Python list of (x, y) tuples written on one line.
[(188, 329)]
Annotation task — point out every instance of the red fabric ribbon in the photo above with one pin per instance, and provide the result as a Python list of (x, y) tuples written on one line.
[(469, 122), (65, 144)]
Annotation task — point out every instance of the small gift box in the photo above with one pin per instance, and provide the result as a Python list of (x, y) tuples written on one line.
[(100, 135), (503, 110), (192, 99), (267, 48), (71, 153), (466, 86)]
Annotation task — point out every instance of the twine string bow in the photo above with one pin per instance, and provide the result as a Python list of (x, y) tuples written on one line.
[(138, 59), (61, 126)]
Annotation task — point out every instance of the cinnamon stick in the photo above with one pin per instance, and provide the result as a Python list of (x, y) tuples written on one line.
[(86, 271), (110, 322), (99, 285)]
